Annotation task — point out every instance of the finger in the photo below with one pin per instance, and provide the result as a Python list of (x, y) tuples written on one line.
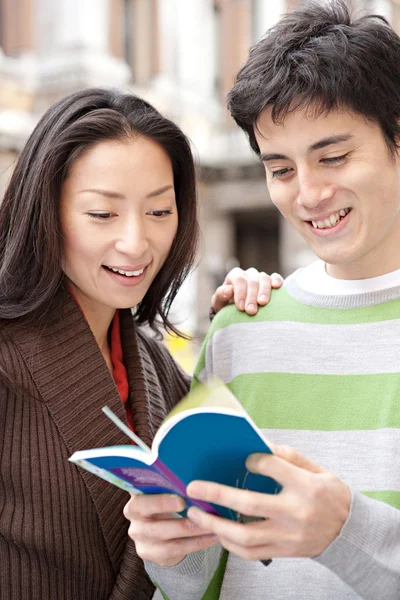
[(266, 536), (297, 459), (253, 504), (172, 552), (280, 468), (164, 516), (217, 525), (222, 297), (254, 280), (237, 278), (239, 284), (276, 280), (166, 529), (148, 505), (264, 289), (231, 531), (233, 275), (262, 552)]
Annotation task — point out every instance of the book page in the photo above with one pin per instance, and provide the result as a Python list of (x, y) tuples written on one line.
[(215, 394), (213, 397)]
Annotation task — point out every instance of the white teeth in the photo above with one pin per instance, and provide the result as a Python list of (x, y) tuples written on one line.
[(330, 221), (127, 273)]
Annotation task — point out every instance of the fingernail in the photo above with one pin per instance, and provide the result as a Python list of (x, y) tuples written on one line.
[(263, 298), (194, 514), (178, 503), (251, 307)]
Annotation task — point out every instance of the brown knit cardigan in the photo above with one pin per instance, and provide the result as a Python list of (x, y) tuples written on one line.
[(63, 535)]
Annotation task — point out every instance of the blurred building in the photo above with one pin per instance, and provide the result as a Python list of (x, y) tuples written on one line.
[(182, 55)]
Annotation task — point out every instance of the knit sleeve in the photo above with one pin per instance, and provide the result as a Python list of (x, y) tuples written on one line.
[(366, 554), (51, 543), (191, 579)]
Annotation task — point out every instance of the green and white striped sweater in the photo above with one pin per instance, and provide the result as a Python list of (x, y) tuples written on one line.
[(321, 373)]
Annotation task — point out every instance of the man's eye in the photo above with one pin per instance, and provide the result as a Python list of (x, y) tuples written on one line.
[(280, 173), (335, 160), (103, 215)]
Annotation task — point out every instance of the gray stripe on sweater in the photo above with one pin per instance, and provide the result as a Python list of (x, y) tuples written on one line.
[(325, 349), (368, 460)]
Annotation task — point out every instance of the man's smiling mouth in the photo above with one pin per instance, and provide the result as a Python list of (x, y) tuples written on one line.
[(332, 220)]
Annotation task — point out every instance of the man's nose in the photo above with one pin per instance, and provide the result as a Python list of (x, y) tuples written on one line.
[(313, 190)]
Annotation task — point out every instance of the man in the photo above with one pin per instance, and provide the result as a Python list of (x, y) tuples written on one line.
[(318, 369)]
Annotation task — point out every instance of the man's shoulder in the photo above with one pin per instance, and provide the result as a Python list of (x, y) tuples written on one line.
[(278, 307)]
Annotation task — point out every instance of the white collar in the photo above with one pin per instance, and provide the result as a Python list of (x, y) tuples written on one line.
[(316, 280)]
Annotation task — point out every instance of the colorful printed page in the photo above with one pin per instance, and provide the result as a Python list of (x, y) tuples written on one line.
[(135, 471)]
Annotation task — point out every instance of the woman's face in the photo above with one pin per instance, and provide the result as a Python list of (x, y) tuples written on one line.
[(118, 220)]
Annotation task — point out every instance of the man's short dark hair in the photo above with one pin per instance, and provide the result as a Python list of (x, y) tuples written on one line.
[(319, 58)]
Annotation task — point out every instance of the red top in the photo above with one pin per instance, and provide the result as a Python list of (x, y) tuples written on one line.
[(119, 372)]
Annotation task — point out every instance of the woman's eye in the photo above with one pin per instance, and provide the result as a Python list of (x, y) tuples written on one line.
[(103, 215), (160, 213)]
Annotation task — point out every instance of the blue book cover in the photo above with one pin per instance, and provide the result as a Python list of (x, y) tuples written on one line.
[(207, 436)]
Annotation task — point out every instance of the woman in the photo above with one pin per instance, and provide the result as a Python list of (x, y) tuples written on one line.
[(100, 215)]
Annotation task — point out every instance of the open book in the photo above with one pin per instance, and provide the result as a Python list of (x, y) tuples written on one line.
[(207, 436)]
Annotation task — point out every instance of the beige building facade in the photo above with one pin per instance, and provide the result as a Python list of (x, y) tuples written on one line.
[(182, 55)]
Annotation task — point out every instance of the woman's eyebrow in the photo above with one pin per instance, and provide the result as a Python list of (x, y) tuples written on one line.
[(160, 191), (110, 194)]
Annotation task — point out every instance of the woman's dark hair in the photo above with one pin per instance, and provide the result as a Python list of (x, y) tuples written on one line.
[(30, 234), (319, 59)]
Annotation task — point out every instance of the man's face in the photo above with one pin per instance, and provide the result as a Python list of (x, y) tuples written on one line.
[(333, 178)]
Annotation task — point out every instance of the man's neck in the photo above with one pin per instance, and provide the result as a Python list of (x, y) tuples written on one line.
[(361, 269)]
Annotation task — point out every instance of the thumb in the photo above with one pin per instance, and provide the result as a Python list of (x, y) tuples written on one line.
[(295, 458), (222, 296)]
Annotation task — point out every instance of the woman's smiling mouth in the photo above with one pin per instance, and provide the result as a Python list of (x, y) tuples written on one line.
[(127, 277), (127, 273)]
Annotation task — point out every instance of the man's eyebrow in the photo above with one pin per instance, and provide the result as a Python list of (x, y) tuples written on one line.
[(323, 143), (266, 157), (329, 141), (110, 194)]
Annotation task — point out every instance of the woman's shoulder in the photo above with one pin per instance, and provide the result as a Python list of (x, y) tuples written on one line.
[(7, 338), (14, 368)]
